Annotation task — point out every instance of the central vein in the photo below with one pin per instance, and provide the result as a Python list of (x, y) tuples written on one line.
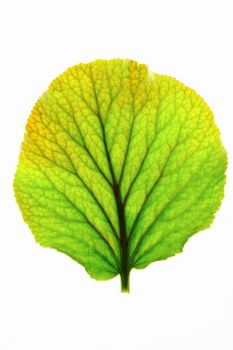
[(124, 268), (121, 217)]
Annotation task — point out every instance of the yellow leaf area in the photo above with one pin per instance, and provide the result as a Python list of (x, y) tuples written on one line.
[(119, 167)]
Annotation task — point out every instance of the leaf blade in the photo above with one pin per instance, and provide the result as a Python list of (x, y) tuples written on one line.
[(119, 167)]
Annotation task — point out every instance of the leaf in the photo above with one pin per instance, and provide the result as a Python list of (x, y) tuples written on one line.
[(119, 167)]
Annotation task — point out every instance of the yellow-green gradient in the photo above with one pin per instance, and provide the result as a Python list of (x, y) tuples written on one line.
[(119, 167)]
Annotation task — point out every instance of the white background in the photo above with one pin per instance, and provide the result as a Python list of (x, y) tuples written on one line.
[(47, 301)]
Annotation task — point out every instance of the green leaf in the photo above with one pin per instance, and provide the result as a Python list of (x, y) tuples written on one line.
[(119, 167)]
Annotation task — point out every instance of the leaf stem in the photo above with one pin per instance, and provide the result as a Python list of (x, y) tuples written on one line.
[(125, 287)]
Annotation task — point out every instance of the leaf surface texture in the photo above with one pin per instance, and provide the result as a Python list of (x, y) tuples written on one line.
[(119, 167)]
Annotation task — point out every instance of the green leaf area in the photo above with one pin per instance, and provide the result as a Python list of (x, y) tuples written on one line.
[(119, 167)]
